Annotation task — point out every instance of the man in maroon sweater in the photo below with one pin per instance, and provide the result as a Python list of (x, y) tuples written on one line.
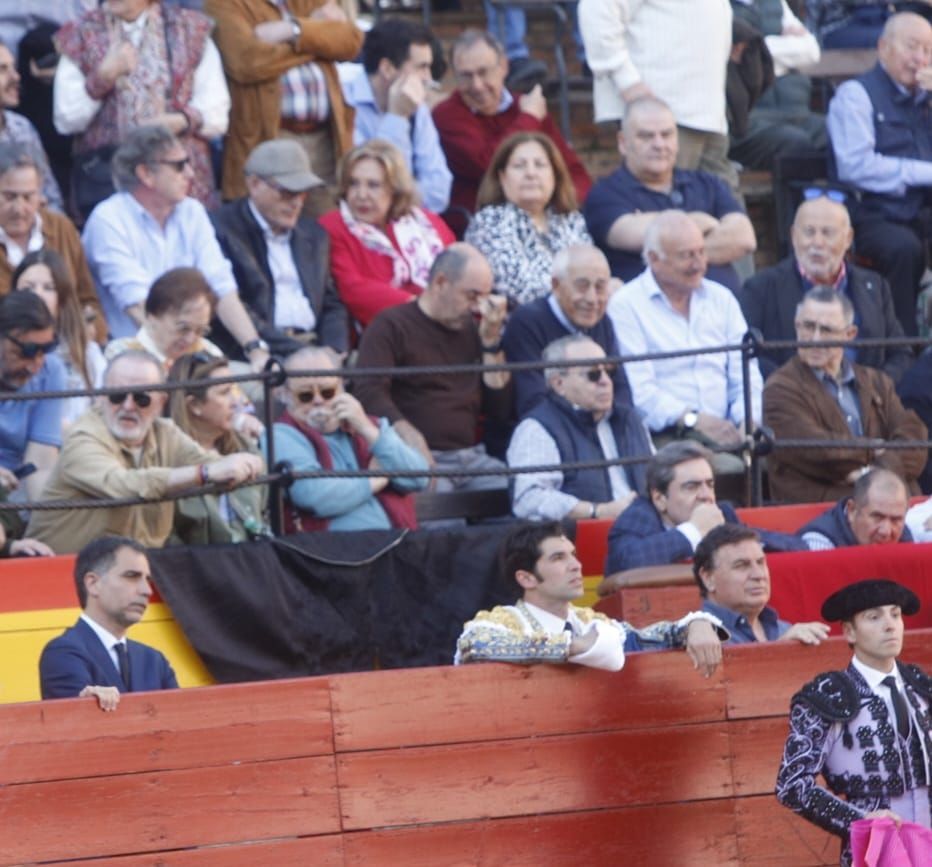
[(455, 321), (481, 113)]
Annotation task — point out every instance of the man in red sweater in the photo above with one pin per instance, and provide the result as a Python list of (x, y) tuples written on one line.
[(481, 113)]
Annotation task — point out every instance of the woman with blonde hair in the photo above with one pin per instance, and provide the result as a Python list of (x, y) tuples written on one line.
[(382, 243), (527, 213), (207, 414)]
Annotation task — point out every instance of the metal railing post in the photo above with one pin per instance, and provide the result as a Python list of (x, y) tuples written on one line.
[(273, 375), (752, 469)]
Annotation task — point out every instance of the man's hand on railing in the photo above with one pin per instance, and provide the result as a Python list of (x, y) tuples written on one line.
[(704, 647), (719, 430), (235, 468)]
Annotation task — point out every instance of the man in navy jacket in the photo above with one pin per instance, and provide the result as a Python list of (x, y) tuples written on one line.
[(94, 657)]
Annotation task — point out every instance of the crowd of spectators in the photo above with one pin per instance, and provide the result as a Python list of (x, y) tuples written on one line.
[(345, 188)]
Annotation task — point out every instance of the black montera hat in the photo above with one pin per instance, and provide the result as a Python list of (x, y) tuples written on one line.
[(872, 593)]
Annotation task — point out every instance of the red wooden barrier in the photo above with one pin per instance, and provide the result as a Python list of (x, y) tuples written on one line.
[(485, 765)]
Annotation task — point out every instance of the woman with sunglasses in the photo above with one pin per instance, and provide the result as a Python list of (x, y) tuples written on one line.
[(382, 243), (207, 414), (527, 212), (45, 273), (131, 63)]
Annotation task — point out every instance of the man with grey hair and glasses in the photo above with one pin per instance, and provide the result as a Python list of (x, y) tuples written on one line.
[(577, 422), (151, 225), (821, 394)]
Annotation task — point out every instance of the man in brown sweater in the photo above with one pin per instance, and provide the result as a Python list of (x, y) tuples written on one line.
[(820, 394), (455, 321), (26, 226)]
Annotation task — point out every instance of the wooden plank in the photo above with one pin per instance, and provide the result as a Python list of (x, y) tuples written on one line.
[(544, 775), (756, 750), (172, 729), (642, 606), (324, 851), (770, 835), (697, 834), (377, 710), (761, 680), (135, 813)]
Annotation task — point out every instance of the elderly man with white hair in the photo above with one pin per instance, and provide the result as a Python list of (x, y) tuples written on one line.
[(577, 421), (669, 307), (326, 428)]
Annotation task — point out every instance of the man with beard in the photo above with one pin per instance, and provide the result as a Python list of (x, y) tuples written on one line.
[(324, 427), (123, 448)]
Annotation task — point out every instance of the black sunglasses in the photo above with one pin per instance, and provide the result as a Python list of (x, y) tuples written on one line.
[(595, 374), (28, 349), (178, 165), (141, 398), (811, 193), (313, 391)]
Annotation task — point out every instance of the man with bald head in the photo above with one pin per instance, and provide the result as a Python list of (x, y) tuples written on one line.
[(821, 237), (324, 427), (456, 320), (621, 206), (819, 394), (671, 307), (874, 514), (581, 287), (881, 133)]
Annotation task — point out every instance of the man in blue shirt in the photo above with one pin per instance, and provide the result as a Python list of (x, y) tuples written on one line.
[(620, 207), (30, 430), (391, 103), (731, 571)]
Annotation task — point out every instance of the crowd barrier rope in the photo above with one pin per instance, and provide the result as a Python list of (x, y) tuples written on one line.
[(753, 448)]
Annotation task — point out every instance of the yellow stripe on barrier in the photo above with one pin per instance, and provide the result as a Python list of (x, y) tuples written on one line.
[(23, 634)]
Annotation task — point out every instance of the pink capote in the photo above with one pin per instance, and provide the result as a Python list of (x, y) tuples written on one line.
[(879, 843)]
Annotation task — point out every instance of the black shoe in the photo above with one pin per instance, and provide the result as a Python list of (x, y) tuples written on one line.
[(525, 73)]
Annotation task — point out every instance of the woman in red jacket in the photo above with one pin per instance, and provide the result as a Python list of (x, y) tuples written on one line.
[(382, 243)]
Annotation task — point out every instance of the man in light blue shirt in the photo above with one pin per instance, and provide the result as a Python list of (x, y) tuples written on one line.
[(391, 104), (672, 307), (150, 226)]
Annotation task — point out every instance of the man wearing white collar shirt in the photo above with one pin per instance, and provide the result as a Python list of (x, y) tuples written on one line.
[(280, 257), (94, 657), (672, 307), (544, 625)]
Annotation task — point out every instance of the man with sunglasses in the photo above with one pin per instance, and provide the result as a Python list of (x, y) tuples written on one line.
[(122, 447), (821, 394), (821, 236), (577, 421), (30, 430), (281, 257), (324, 427), (881, 136), (151, 225)]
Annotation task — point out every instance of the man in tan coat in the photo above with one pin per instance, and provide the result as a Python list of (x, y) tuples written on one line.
[(820, 394), (279, 58)]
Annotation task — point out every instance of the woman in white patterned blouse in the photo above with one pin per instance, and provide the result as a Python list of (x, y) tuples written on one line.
[(527, 212)]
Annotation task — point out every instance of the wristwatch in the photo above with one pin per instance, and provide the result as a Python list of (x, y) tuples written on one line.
[(295, 32), (253, 345), (689, 420)]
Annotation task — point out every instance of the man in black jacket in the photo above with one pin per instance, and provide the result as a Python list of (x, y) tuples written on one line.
[(821, 236), (281, 259)]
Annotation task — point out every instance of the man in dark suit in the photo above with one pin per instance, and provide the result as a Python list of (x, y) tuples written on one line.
[(281, 258), (821, 236), (94, 657), (679, 510)]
